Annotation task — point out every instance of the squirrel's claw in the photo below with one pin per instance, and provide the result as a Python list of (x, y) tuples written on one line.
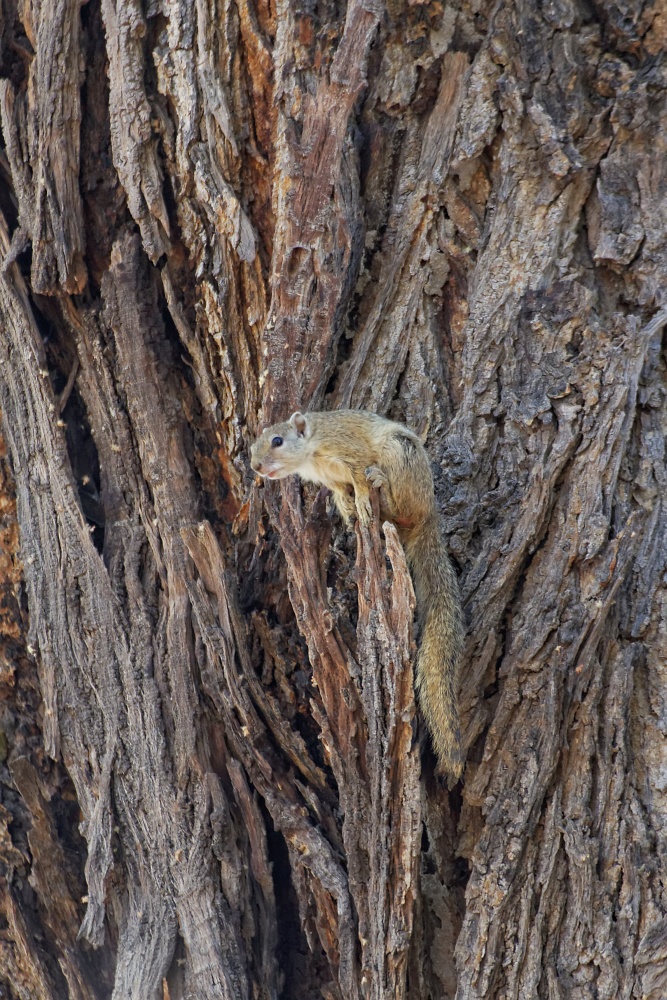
[(376, 477)]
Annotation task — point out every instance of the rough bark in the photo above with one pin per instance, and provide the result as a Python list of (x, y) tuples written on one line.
[(213, 778)]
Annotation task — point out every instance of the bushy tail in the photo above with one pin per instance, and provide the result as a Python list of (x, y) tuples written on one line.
[(442, 635)]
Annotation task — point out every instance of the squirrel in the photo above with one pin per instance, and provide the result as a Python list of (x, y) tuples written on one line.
[(354, 448)]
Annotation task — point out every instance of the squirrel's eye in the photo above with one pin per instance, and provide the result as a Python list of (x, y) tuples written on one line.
[(276, 442)]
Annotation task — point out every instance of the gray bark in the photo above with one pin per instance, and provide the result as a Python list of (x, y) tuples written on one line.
[(214, 781)]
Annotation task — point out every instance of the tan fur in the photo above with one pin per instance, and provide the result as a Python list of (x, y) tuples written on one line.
[(348, 451)]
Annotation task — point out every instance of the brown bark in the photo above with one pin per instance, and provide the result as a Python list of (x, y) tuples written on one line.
[(213, 778)]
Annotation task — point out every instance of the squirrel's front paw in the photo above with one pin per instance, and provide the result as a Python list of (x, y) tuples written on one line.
[(376, 476)]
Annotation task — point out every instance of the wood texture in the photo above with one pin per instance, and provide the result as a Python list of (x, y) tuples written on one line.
[(213, 778)]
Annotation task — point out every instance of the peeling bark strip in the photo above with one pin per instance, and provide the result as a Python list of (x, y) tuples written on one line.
[(58, 241), (409, 236), (367, 708), (132, 140), (454, 215), (41, 132), (313, 243)]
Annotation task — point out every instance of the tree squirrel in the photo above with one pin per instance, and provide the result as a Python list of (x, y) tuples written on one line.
[(344, 448)]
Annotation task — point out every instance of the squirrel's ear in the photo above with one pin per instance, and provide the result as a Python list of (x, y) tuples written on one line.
[(300, 423)]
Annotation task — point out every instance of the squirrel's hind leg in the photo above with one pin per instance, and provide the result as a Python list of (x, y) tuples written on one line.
[(376, 477), (362, 497)]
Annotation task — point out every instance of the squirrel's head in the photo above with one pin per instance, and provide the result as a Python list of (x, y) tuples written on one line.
[(282, 448)]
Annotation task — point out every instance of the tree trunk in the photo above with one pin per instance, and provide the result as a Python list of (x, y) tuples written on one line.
[(214, 781)]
